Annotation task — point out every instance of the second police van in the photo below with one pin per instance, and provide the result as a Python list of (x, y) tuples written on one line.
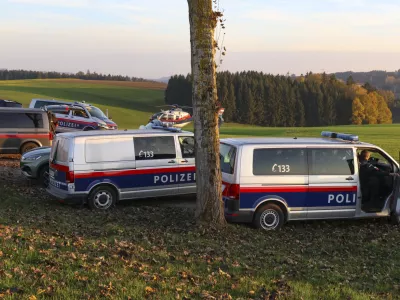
[(266, 181)]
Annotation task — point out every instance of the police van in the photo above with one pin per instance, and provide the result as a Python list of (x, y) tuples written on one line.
[(79, 116), (269, 181), (102, 167)]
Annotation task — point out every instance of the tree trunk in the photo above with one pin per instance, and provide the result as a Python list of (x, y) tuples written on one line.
[(209, 205)]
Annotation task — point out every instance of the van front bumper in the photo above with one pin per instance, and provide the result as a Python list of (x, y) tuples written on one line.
[(66, 197)]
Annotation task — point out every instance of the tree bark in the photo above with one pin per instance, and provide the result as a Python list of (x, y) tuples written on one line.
[(209, 205)]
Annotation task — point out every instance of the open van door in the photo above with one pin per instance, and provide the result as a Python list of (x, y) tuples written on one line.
[(395, 203)]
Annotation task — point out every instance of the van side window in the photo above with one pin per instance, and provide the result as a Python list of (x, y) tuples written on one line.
[(21, 120), (187, 146), (282, 161), (156, 147), (331, 161)]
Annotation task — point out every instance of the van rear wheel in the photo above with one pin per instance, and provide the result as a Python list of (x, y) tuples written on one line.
[(102, 198), (269, 217)]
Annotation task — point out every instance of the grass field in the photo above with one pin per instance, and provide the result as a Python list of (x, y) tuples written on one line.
[(130, 104), (53, 251), (140, 250)]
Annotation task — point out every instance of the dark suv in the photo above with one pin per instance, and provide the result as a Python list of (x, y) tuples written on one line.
[(10, 103)]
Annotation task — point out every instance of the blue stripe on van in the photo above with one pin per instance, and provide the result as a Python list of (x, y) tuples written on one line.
[(301, 196), (131, 179)]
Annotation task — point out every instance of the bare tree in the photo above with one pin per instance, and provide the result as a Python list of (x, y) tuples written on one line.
[(203, 20)]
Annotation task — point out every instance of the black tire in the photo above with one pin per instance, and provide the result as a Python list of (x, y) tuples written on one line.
[(269, 217), (28, 146), (43, 176), (87, 128), (102, 198)]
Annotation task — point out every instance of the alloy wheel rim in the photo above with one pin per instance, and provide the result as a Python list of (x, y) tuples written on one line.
[(269, 219)]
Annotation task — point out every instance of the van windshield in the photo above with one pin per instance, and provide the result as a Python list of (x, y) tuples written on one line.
[(96, 112), (227, 155)]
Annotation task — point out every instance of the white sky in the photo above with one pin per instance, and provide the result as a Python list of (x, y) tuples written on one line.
[(151, 38)]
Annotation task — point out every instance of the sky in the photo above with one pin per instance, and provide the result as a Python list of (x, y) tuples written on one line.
[(150, 39)]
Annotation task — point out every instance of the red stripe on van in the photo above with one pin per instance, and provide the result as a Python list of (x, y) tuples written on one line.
[(24, 136), (59, 167), (298, 189), (333, 189), (134, 172), (275, 189)]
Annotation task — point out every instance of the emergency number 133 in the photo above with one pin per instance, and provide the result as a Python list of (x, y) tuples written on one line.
[(281, 168)]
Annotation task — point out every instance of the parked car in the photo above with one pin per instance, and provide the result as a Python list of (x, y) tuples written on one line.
[(101, 168), (40, 103), (22, 129), (77, 117), (9, 103), (34, 164), (90, 110)]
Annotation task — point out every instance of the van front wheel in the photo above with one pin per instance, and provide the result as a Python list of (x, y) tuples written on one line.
[(269, 217), (102, 198)]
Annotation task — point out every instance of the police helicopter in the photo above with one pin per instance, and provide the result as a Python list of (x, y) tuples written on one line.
[(177, 117)]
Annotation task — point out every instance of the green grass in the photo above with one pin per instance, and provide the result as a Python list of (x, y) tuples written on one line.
[(48, 250), (131, 107), (55, 251)]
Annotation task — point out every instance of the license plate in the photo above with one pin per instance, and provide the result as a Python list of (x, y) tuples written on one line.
[(55, 183)]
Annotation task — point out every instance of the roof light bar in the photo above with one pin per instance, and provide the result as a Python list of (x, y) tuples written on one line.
[(172, 129), (338, 135)]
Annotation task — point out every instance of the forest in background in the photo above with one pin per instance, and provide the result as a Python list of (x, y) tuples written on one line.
[(28, 74), (311, 100)]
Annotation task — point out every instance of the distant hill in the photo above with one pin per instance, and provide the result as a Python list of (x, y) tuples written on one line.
[(162, 79), (381, 79)]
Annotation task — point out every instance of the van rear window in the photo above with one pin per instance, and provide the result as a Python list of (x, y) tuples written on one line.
[(280, 161), (21, 120), (61, 152), (227, 155)]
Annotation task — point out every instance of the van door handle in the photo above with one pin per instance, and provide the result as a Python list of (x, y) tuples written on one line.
[(171, 162), (184, 161), (349, 178)]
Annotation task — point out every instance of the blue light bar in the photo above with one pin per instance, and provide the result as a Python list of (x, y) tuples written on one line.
[(342, 136), (172, 129)]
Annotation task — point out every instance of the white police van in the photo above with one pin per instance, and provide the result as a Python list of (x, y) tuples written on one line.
[(102, 167), (268, 181)]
